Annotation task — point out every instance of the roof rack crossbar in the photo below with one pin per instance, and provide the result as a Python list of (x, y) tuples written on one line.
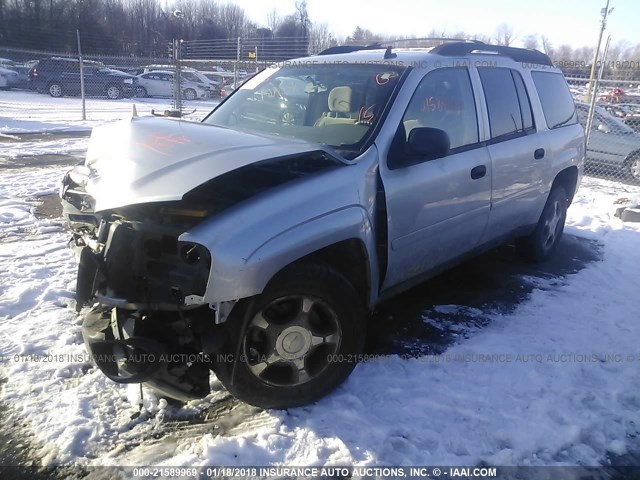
[(523, 55), (435, 39), (350, 48)]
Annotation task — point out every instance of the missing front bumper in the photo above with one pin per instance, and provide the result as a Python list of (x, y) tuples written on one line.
[(126, 353)]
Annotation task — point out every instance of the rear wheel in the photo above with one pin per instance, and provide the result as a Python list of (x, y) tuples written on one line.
[(295, 342), (114, 92), (141, 92), (55, 90), (190, 94), (288, 118), (633, 168), (538, 246)]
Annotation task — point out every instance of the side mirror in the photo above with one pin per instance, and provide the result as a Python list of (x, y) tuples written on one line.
[(428, 143), (604, 128)]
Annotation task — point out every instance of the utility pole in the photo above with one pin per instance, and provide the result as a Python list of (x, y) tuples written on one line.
[(592, 104), (603, 24), (235, 67), (84, 110)]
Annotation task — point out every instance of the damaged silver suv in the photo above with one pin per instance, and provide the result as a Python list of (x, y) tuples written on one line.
[(254, 243)]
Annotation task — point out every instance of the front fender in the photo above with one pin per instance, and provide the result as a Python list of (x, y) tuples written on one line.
[(250, 242), (233, 278)]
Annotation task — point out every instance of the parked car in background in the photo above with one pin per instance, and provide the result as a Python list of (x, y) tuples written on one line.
[(283, 100), (255, 247), (628, 113), (612, 144), (198, 77), (23, 75), (8, 78), (59, 76), (219, 77), (188, 74), (616, 110), (634, 108), (162, 84), (226, 90), (615, 95)]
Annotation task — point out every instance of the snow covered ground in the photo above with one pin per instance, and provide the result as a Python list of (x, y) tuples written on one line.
[(553, 382), (25, 112)]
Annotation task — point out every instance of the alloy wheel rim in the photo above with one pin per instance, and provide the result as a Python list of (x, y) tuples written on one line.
[(288, 118), (290, 341), (552, 225), (113, 92), (635, 168)]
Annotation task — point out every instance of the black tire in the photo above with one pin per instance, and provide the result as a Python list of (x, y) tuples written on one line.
[(55, 89), (633, 168), (190, 94), (141, 92), (113, 91), (258, 366), (538, 246)]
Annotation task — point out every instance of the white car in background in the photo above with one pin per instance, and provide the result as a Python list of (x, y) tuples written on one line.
[(8, 78), (162, 84), (187, 73), (198, 77)]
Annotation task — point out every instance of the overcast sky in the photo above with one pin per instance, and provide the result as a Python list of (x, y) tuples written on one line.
[(573, 22)]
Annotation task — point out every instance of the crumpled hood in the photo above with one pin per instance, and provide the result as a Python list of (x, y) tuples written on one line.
[(150, 159)]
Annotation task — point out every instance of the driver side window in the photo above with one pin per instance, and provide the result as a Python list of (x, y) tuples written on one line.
[(444, 100)]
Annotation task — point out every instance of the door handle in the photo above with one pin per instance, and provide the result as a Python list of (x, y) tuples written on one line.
[(478, 172), (538, 154)]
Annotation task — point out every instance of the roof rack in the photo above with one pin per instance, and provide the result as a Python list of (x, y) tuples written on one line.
[(350, 48), (377, 45), (439, 40), (518, 54)]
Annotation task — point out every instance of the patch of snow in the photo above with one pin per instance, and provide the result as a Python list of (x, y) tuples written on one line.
[(27, 112)]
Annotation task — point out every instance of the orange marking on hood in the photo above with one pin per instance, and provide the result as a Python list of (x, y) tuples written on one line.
[(163, 143)]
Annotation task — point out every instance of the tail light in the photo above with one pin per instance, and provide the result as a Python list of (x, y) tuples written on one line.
[(34, 73)]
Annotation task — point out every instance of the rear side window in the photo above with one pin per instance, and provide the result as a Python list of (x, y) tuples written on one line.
[(523, 98), (557, 104), (503, 105)]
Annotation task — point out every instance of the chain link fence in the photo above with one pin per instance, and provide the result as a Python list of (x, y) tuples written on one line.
[(195, 75), (609, 110)]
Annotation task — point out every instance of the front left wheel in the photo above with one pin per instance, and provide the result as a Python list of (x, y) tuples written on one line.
[(295, 342)]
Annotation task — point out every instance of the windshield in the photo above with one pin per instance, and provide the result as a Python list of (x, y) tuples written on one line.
[(190, 76), (332, 104)]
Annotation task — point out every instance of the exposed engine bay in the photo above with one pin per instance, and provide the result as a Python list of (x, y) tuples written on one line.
[(148, 321)]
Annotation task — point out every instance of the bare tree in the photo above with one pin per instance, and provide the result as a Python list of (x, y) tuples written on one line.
[(362, 36), (546, 45), (504, 35), (320, 38), (303, 17), (531, 41), (233, 19), (274, 20), (564, 53)]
